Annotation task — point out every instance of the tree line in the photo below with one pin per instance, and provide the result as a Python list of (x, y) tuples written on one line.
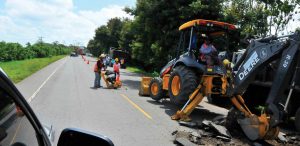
[(15, 51), (152, 35)]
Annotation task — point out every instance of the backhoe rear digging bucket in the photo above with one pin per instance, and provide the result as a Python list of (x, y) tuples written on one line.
[(194, 99), (254, 127)]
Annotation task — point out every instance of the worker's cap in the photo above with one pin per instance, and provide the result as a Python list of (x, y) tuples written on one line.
[(102, 56)]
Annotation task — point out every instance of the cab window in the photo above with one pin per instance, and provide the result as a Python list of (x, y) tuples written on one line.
[(15, 128)]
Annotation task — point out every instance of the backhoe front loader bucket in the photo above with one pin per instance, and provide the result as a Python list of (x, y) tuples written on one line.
[(144, 87)]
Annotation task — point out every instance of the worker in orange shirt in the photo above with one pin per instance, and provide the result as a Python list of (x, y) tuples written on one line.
[(116, 68), (97, 70)]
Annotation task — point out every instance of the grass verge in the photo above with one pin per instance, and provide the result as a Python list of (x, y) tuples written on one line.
[(141, 71), (19, 70)]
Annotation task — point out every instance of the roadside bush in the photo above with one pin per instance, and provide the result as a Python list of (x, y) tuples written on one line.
[(15, 51)]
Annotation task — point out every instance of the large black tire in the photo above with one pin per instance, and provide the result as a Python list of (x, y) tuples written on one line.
[(158, 93), (297, 120), (188, 82)]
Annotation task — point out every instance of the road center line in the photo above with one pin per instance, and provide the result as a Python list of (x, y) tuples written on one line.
[(136, 106), (38, 90)]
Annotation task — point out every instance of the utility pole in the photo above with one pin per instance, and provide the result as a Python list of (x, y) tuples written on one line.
[(40, 40)]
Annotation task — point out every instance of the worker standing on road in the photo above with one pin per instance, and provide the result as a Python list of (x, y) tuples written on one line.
[(103, 67), (117, 69), (97, 69)]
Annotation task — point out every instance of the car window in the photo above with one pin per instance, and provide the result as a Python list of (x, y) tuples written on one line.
[(15, 128)]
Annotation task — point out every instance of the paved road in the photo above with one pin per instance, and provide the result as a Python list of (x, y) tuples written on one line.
[(60, 94)]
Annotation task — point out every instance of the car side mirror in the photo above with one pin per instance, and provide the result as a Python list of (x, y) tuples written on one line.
[(76, 137)]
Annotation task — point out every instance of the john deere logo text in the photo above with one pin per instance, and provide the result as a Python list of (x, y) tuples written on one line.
[(248, 66)]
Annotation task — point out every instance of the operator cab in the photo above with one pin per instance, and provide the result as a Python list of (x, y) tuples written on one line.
[(197, 33), (182, 75)]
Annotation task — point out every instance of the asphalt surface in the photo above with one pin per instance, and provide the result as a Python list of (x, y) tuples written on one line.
[(61, 96)]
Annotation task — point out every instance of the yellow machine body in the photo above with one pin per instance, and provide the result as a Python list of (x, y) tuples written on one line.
[(166, 81), (144, 87), (204, 88)]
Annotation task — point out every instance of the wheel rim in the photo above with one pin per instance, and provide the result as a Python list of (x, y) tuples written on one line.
[(175, 85), (154, 89)]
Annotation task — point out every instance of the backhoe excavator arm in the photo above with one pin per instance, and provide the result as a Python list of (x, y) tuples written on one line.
[(285, 72), (260, 53)]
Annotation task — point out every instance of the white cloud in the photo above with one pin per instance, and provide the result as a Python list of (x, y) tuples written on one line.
[(56, 20), (10, 31), (104, 14)]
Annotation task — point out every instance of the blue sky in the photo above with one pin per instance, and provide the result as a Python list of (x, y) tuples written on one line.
[(98, 4), (66, 21)]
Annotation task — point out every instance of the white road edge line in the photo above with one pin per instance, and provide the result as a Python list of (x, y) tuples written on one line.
[(41, 86)]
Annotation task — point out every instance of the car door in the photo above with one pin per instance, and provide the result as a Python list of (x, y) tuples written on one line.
[(18, 124)]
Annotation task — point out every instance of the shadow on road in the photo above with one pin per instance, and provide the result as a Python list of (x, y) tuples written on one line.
[(169, 107), (198, 114), (131, 84), (123, 73)]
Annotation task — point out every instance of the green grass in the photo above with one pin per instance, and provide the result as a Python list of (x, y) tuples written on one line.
[(19, 70), (141, 71)]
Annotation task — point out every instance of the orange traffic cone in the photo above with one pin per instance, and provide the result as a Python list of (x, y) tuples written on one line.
[(88, 62)]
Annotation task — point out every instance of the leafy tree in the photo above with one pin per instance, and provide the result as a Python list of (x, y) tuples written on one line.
[(281, 12), (152, 36), (15, 51), (156, 24), (211, 10), (106, 36), (249, 15), (114, 27), (257, 17), (126, 35)]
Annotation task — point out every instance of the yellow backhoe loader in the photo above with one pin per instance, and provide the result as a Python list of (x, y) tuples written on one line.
[(187, 80)]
